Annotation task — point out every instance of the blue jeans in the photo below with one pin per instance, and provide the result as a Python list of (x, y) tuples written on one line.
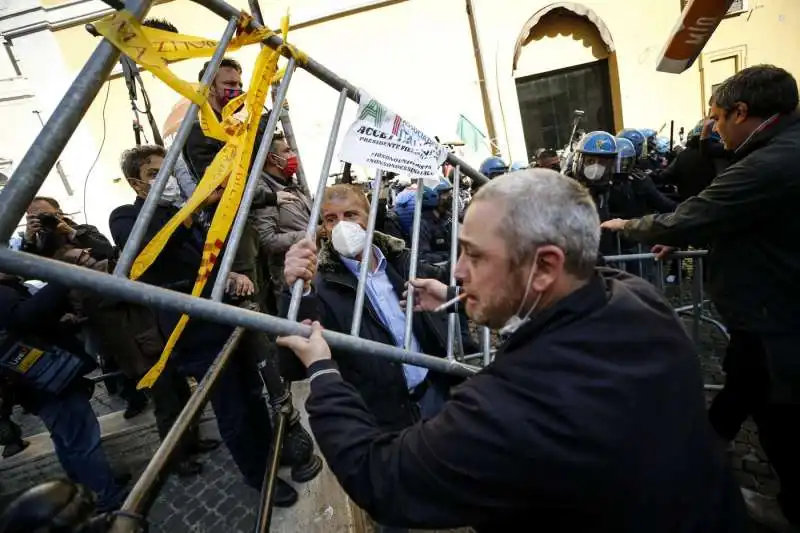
[(75, 433)]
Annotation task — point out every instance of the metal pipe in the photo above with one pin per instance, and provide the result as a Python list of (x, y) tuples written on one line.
[(32, 171), (710, 387), (684, 308), (452, 318), (486, 344), (134, 243), (408, 335), (638, 257), (239, 223), (36, 267), (316, 206), (140, 496), (291, 140), (103, 377), (264, 516), (697, 297), (366, 257), (322, 73)]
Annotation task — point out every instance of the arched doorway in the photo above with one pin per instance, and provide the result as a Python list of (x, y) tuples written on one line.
[(564, 60)]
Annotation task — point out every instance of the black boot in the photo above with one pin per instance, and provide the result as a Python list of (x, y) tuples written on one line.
[(284, 495), (298, 450)]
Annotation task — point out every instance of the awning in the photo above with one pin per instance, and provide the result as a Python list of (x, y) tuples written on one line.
[(572, 7)]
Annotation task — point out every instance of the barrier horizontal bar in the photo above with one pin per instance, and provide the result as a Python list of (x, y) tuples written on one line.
[(38, 161), (322, 73), (637, 257), (32, 266)]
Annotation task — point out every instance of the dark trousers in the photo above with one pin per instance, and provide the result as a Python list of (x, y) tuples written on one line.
[(170, 393), (75, 433), (748, 392), (242, 414)]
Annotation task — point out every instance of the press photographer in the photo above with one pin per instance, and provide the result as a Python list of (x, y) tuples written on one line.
[(50, 233)]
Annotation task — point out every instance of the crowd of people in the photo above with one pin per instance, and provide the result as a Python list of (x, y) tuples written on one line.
[(592, 415)]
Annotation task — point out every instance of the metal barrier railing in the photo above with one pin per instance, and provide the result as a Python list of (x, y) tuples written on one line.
[(35, 166), (42, 155)]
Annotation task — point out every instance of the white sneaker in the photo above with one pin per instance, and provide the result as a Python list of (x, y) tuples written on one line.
[(766, 511)]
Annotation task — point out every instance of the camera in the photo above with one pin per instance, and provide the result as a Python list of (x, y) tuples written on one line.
[(49, 221)]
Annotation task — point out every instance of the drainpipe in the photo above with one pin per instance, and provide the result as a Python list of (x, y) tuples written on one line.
[(487, 111)]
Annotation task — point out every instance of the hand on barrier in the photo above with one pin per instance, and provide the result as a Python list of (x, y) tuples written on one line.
[(300, 261), (239, 285), (615, 224), (428, 294), (662, 251), (308, 350)]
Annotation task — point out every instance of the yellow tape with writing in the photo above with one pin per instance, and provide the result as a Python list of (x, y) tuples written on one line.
[(153, 49)]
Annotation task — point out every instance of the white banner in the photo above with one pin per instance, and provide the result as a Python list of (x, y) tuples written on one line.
[(380, 138)]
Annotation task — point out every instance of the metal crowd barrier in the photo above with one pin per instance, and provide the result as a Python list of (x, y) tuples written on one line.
[(697, 308), (42, 155)]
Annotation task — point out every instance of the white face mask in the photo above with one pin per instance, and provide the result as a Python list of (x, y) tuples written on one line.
[(348, 238), (171, 194), (516, 322), (594, 171)]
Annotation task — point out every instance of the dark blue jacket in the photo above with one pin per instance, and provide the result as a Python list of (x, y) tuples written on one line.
[(591, 419)]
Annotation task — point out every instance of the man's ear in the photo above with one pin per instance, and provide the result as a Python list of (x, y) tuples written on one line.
[(742, 112)]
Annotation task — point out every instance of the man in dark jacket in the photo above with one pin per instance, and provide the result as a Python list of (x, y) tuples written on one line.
[(44, 364), (396, 394), (748, 216), (48, 230), (590, 419), (241, 413)]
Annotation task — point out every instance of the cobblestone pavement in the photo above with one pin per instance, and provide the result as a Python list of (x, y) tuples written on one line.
[(216, 501)]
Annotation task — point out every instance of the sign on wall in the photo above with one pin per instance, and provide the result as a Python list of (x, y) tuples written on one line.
[(380, 138)]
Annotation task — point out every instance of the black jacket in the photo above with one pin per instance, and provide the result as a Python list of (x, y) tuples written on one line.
[(695, 168), (23, 315), (381, 382), (434, 238), (591, 419), (86, 236), (176, 267), (748, 218)]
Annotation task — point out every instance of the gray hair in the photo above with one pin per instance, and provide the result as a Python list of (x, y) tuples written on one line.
[(540, 207)]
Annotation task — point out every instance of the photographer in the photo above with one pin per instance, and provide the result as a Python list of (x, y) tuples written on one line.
[(49, 232), (43, 364)]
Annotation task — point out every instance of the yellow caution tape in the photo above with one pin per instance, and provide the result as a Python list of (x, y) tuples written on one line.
[(232, 163), (154, 49)]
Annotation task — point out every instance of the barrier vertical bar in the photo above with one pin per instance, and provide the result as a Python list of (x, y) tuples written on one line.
[(35, 166), (291, 140), (366, 256), (134, 243), (697, 297), (486, 346), (316, 206), (452, 318), (412, 270), (250, 190)]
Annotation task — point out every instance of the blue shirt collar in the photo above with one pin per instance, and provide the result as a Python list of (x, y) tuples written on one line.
[(354, 266)]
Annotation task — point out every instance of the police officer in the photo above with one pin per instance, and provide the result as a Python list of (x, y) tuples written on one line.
[(493, 166)]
